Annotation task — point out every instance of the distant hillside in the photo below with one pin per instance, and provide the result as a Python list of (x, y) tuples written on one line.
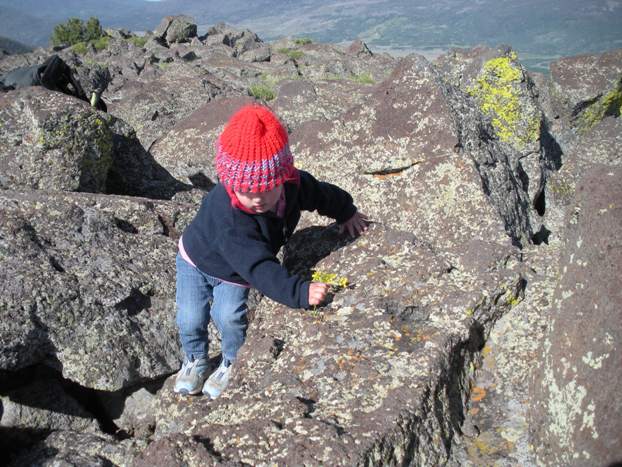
[(541, 30), (12, 46)]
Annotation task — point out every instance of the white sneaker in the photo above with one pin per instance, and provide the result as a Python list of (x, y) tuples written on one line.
[(218, 381), (190, 378)]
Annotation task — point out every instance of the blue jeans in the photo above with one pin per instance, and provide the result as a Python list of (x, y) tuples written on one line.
[(195, 291)]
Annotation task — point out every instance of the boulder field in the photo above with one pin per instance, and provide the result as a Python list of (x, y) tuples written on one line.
[(480, 323)]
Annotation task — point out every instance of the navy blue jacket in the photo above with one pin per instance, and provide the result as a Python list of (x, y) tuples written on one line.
[(230, 244)]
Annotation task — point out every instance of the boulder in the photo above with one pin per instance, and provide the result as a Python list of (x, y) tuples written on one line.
[(51, 141), (153, 104), (242, 41), (88, 286), (68, 447), (30, 413), (174, 29), (259, 54), (577, 409), (505, 133), (581, 79)]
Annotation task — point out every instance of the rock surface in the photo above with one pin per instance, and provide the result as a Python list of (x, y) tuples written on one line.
[(86, 287)]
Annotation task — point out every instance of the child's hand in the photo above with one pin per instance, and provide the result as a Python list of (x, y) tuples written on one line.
[(356, 225), (317, 292)]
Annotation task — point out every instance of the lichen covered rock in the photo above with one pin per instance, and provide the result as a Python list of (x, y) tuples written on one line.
[(51, 141), (375, 376), (577, 415), (88, 286)]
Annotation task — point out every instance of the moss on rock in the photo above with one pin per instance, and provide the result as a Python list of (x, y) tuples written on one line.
[(608, 105)]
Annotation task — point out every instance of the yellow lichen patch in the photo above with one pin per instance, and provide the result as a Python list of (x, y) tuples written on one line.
[(498, 91), (330, 279), (609, 104)]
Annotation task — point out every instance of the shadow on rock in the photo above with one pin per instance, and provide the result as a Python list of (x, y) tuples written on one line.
[(308, 246), (134, 170)]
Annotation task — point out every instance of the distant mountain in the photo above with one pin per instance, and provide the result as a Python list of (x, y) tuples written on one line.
[(539, 29), (13, 47)]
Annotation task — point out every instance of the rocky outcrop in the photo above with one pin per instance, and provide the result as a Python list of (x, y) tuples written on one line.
[(94, 297), (173, 29), (483, 195)]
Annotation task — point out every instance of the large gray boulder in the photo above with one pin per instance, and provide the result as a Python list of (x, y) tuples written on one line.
[(51, 141), (173, 29), (241, 41), (87, 286), (70, 447)]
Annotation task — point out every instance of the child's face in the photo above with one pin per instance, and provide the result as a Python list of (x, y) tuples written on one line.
[(260, 202)]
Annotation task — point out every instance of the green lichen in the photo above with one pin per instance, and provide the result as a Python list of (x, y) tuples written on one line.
[(85, 134), (363, 78), (291, 53), (561, 188), (498, 90), (608, 105)]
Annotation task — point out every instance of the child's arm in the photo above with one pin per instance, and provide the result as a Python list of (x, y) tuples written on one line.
[(251, 257), (328, 199)]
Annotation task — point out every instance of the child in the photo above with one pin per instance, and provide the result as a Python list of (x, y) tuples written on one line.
[(232, 242)]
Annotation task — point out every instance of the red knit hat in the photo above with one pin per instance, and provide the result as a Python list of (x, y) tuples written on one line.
[(252, 153)]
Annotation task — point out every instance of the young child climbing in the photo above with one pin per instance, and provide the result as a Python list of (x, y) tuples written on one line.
[(232, 242)]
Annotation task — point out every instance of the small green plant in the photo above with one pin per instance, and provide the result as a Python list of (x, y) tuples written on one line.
[(101, 43), (138, 41), (262, 91), (302, 41), (364, 78), (74, 30), (80, 48)]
